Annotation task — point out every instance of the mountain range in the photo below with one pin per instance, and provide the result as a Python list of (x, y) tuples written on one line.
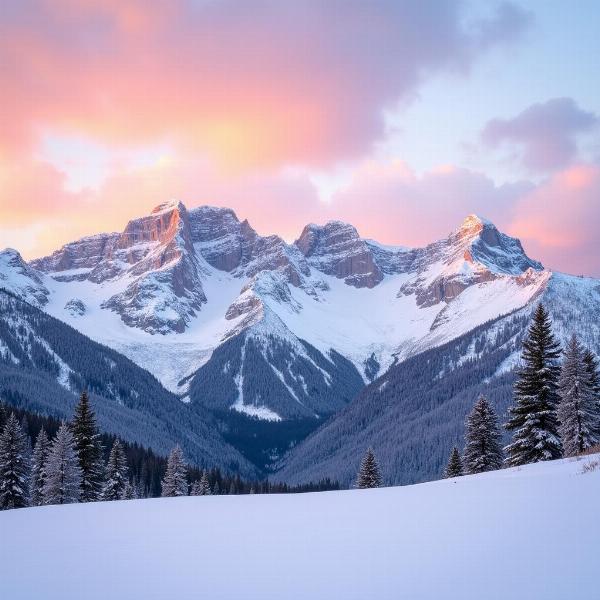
[(294, 356)]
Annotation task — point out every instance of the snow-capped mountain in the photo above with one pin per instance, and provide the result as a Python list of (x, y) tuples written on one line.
[(230, 319), (44, 365)]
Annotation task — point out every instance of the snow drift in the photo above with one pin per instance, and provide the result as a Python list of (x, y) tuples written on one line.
[(518, 533)]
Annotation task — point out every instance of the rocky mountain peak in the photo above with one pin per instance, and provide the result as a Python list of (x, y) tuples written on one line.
[(20, 279), (169, 206), (480, 242), (337, 249), (167, 223), (473, 224), (475, 253)]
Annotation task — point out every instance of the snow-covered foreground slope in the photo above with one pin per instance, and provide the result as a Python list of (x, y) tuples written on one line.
[(515, 534)]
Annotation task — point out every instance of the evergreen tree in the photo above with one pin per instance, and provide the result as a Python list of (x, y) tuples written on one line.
[(578, 409), (63, 473), (205, 485), (533, 417), (216, 489), (175, 480), (38, 468), (592, 366), (129, 493), (201, 486), (483, 451), (117, 473), (89, 450), (14, 466), (455, 466), (369, 475)]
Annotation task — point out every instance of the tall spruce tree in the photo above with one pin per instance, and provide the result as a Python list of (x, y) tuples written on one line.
[(201, 486), (369, 475), (130, 492), (38, 468), (578, 409), (592, 366), (175, 480), (89, 449), (14, 465), (533, 419), (63, 473), (593, 369), (117, 474), (454, 468), (483, 451)]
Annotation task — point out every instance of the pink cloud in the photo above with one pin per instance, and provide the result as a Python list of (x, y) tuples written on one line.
[(248, 82), (560, 220), (556, 220)]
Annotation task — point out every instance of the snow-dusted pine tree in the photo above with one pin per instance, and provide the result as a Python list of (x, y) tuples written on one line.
[(129, 493), (201, 486), (205, 485), (483, 451), (117, 473), (216, 489), (38, 468), (89, 450), (593, 369), (175, 480), (533, 418), (14, 465), (454, 467), (578, 409), (63, 473), (369, 475)]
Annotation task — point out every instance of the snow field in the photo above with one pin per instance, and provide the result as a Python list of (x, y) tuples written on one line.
[(529, 533)]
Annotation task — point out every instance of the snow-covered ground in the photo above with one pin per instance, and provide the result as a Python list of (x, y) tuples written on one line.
[(529, 533)]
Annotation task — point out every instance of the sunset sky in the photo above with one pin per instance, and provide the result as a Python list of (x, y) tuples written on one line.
[(400, 117)]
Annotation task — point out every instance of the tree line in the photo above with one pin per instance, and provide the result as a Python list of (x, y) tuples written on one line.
[(555, 411), (46, 461)]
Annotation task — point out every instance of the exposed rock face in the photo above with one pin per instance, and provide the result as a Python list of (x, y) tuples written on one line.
[(216, 233), (20, 279), (336, 249), (83, 254), (75, 307), (391, 259), (230, 245), (161, 259), (165, 270), (154, 258), (475, 253)]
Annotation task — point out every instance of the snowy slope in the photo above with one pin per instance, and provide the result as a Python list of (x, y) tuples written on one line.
[(44, 365), (529, 533), (177, 285), (415, 412)]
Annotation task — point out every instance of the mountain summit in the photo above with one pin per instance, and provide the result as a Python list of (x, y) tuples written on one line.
[(230, 319)]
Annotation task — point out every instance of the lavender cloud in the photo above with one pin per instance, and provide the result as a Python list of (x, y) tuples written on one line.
[(546, 133)]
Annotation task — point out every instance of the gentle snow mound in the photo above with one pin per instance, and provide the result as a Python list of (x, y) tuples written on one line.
[(520, 533)]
